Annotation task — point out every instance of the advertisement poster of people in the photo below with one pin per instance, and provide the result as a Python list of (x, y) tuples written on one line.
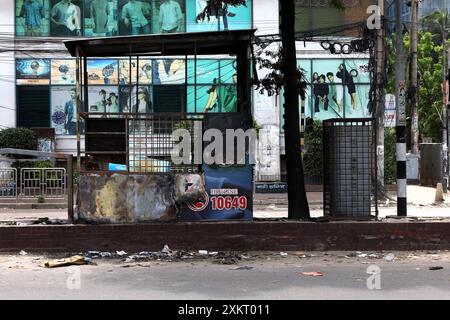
[(336, 88), (32, 18), (46, 145), (212, 99), (223, 17), (197, 102), (63, 111), (64, 71), (169, 71), (145, 71), (33, 72), (100, 18), (229, 194), (168, 16), (65, 17), (141, 100), (103, 71), (135, 17), (217, 92), (103, 99)]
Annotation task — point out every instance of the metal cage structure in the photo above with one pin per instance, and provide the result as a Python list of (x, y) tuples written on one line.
[(350, 169)]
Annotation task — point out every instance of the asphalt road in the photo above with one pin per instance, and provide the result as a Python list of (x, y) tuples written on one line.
[(264, 276)]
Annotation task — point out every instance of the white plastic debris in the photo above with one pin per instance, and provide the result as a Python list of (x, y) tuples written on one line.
[(283, 254), (166, 249), (23, 253), (105, 254), (121, 253), (203, 252), (389, 257)]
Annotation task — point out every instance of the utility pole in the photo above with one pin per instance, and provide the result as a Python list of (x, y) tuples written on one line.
[(400, 93), (298, 203), (445, 131), (380, 93), (413, 77), (445, 113)]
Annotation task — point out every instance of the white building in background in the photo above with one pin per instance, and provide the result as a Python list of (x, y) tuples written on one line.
[(24, 102)]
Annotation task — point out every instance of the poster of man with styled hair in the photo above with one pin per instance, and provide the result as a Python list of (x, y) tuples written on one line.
[(135, 17), (32, 18), (65, 16), (100, 18)]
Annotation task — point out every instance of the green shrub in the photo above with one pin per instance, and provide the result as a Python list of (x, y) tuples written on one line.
[(44, 164), (390, 162), (18, 138), (313, 157)]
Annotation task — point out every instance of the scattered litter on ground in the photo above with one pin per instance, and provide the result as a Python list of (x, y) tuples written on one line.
[(389, 257), (313, 274), (47, 221), (74, 260), (23, 253), (166, 250), (41, 220), (283, 254), (227, 258), (169, 255), (121, 253), (243, 268), (134, 265), (357, 279), (129, 259), (436, 268), (93, 254)]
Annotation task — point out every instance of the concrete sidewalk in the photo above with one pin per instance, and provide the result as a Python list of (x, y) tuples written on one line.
[(417, 195), (273, 206)]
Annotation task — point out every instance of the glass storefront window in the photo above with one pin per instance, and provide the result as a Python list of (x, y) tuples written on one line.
[(163, 86), (104, 18)]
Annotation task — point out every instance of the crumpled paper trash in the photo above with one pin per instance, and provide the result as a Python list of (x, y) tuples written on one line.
[(74, 260)]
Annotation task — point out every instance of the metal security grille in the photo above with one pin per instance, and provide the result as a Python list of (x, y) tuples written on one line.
[(349, 163), (48, 183), (8, 183), (151, 143)]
